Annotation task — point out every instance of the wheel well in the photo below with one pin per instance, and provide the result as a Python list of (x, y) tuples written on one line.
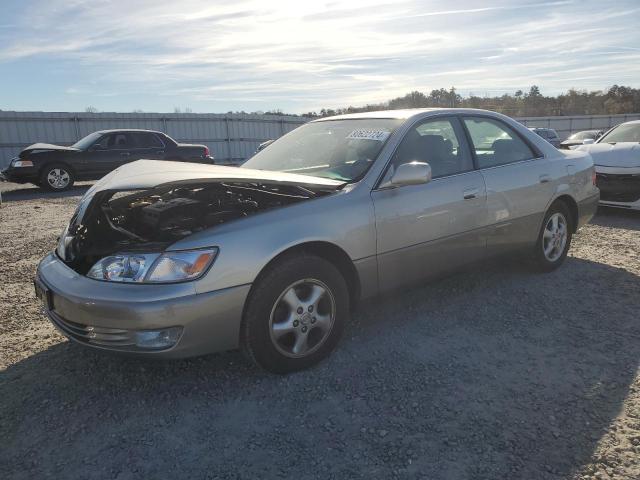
[(332, 253), (571, 204)]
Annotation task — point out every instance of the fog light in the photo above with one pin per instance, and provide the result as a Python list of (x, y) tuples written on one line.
[(158, 338)]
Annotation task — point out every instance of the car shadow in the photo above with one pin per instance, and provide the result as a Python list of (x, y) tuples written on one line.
[(34, 193), (491, 373), (617, 218)]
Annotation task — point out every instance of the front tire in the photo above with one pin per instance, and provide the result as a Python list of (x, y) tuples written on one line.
[(56, 177), (554, 238), (295, 314)]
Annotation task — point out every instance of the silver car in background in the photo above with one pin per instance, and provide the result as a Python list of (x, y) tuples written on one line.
[(173, 260)]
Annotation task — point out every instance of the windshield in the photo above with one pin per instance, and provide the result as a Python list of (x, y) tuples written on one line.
[(583, 135), (87, 141), (338, 149), (629, 132)]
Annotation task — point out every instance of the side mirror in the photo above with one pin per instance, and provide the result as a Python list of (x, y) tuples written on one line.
[(588, 141), (413, 173)]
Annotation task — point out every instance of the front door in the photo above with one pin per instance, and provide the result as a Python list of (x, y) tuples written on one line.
[(423, 230), (109, 152)]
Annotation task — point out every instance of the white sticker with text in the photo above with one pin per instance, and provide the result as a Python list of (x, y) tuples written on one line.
[(364, 134)]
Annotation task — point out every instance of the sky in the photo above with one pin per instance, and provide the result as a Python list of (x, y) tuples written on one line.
[(299, 56)]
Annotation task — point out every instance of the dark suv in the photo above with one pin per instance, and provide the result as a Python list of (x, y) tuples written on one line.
[(54, 167)]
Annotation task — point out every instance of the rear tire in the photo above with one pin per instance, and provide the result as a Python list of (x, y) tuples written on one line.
[(554, 238), (56, 177), (295, 314)]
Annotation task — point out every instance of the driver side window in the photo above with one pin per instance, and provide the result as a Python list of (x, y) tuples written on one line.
[(113, 141), (437, 143)]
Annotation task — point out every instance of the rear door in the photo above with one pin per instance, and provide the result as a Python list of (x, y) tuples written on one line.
[(518, 179), (147, 145), (423, 230)]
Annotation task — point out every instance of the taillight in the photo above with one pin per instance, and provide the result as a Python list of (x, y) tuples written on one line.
[(206, 151), (593, 177)]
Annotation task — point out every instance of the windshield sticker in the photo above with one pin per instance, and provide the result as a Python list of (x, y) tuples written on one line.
[(364, 134)]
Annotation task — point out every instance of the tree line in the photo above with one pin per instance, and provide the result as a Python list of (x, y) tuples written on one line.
[(617, 99)]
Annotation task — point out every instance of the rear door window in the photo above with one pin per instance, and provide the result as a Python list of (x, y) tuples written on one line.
[(147, 140), (495, 143)]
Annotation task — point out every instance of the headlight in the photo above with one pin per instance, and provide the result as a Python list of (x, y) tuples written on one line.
[(22, 163), (125, 267), (154, 268)]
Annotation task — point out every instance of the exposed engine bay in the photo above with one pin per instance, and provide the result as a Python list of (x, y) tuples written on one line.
[(151, 219)]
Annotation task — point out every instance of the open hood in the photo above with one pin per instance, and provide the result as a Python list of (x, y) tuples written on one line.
[(622, 154), (45, 147), (151, 173), (148, 205)]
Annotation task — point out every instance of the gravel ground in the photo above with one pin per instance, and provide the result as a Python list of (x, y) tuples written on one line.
[(495, 373)]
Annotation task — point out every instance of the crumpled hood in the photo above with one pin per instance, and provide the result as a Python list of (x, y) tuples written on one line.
[(621, 154), (149, 205), (151, 173), (45, 147)]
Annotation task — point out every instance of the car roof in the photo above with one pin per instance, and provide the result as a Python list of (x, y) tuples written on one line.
[(116, 130), (405, 114)]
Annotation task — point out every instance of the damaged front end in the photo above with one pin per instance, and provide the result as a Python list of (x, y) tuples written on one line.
[(148, 220)]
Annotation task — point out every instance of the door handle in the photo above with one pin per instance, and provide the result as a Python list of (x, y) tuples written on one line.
[(125, 154), (161, 152), (470, 193), (545, 178)]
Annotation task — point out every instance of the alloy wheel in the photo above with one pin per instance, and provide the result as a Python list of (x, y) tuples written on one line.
[(58, 178), (302, 318), (554, 237)]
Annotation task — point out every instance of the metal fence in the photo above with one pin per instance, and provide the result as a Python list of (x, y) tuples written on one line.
[(565, 126), (230, 137)]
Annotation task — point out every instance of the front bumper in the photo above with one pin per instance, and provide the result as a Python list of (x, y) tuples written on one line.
[(626, 205), (619, 186), (20, 175), (105, 315)]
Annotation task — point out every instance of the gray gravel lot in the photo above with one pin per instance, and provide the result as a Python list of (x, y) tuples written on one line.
[(494, 373)]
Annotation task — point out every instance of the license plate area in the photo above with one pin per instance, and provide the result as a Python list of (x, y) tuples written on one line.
[(44, 294)]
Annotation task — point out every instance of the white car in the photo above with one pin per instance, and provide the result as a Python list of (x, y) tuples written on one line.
[(616, 156)]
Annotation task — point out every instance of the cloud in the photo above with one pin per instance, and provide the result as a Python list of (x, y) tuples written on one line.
[(307, 55)]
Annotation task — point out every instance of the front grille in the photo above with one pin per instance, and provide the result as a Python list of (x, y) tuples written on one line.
[(113, 338), (618, 188)]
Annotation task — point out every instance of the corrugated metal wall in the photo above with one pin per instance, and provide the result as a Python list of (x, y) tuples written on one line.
[(231, 137)]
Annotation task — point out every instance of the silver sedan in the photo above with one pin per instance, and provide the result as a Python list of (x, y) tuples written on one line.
[(172, 259)]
